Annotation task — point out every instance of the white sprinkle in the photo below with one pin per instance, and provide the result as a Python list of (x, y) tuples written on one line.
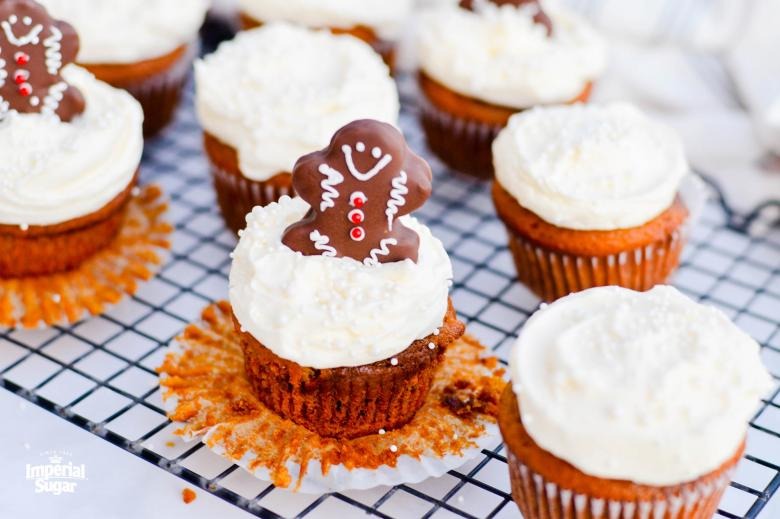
[(431, 346), (13, 18), (376, 152), (361, 147), (35, 101), (27, 20), (394, 361), (436, 331), (393, 448), (56, 298), (382, 431), (135, 191), (455, 436)]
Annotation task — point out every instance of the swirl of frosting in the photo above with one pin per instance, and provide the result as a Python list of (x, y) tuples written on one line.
[(53, 171), (649, 387), (384, 17), (499, 55), (325, 312), (279, 92), (590, 167), (128, 31)]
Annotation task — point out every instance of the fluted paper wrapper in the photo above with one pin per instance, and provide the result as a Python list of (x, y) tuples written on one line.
[(206, 391), (463, 144), (160, 94), (238, 195), (552, 275), (539, 498)]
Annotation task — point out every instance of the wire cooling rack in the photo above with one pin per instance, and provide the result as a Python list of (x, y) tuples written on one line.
[(99, 374)]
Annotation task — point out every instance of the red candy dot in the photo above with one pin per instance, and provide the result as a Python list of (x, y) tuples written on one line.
[(357, 233), (22, 58), (20, 77), (356, 216), (358, 202), (25, 89)]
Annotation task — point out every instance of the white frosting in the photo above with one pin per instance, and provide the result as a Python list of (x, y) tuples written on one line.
[(648, 387), (590, 167), (326, 312), (129, 31), (385, 17), (499, 55), (52, 172), (279, 92)]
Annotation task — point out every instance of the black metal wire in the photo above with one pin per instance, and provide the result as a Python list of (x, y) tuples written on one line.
[(459, 210)]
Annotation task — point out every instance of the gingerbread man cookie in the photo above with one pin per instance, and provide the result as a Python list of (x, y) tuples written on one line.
[(33, 49), (358, 187), (540, 17)]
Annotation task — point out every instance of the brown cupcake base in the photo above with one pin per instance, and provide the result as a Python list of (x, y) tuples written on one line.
[(547, 487), (354, 401), (554, 262), (384, 48), (236, 194), (102, 279), (460, 130), (39, 250), (156, 83)]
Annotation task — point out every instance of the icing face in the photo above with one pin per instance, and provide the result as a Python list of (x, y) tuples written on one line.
[(33, 49), (357, 189)]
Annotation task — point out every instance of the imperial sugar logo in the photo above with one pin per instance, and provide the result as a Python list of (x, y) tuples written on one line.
[(57, 474)]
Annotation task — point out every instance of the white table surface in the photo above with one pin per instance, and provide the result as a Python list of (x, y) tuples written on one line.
[(118, 485)]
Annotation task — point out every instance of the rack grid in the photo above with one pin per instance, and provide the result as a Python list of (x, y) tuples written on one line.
[(99, 373)]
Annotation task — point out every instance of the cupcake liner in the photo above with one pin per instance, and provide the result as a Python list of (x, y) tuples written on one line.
[(159, 94), (206, 390), (238, 195), (463, 144), (103, 279), (539, 498), (551, 274)]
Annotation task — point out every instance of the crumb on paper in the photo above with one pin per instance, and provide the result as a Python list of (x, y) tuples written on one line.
[(188, 495), (170, 444)]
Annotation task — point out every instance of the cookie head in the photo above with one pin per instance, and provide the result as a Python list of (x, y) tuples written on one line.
[(33, 50), (358, 188)]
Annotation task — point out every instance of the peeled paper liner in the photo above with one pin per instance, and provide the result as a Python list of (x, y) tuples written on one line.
[(206, 390), (103, 279)]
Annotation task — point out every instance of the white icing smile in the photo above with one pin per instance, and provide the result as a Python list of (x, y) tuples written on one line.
[(19, 41), (376, 152)]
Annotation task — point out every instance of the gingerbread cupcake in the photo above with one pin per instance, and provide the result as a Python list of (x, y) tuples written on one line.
[(377, 22), (482, 61), (71, 148), (340, 297), (591, 196), (628, 404), (276, 93), (145, 47)]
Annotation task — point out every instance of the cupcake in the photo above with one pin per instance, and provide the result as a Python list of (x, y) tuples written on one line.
[(71, 148), (628, 404), (481, 62), (145, 47), (377, 22), (339, 297), (276, 93), (590, 196)]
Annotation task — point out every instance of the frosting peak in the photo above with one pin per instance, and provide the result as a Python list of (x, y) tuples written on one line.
[(500, 55), (279, 92), (54, 171), (326, 312), (590, 167), (128, 31), (650, 387)]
